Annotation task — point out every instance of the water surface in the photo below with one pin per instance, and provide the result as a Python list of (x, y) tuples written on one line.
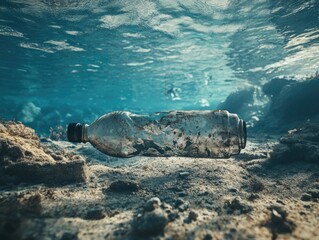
[(63, 61)]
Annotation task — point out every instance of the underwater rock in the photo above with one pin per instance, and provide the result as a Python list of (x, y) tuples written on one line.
[(193, 215), (124, 186), (310, 195), (184, 175), (275, 85), (152, 204), (299, 145), (237, 101), (291, 103), (298, 101), (23, 157), (278, 105), (305, 197), (150, 223)]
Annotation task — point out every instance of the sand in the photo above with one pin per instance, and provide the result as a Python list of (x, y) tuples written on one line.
[(84, 194)]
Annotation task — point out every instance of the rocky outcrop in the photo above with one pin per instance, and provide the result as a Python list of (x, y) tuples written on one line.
[(22, 158)]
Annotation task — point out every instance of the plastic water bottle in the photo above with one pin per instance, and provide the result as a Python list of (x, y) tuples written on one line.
[(208, 134)]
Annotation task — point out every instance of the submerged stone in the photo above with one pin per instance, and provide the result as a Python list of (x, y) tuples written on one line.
[(150, 223), (124, 186), (152, 204), (300, 145)]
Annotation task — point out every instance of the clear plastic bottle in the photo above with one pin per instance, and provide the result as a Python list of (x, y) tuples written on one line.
[(208, 134)]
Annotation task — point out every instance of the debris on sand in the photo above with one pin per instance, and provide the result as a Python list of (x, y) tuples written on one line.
[(300, 145), (22, 158)]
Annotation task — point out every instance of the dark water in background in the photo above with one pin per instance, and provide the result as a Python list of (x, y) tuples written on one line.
[(68, 60)]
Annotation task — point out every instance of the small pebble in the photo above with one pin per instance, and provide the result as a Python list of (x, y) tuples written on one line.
[(305, 197), (181, 205), (208, 237), (150, 223), (172, 216), (152, 204), (179, 202), (302, 213), (278, 221), (184, 174), (193, 215)]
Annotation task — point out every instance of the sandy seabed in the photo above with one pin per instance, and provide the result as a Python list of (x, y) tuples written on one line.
[(59, 190)]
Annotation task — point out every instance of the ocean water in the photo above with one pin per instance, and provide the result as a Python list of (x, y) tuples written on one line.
[(73, 60)]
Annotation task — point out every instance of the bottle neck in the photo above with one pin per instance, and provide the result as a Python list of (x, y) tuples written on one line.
[(242, 134), (75, 132), (85, 137)]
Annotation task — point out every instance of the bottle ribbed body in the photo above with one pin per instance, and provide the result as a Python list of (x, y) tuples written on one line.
[(210, 134)]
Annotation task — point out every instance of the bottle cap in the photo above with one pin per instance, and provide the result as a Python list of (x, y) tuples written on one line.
[(75, 132), (243, 134)]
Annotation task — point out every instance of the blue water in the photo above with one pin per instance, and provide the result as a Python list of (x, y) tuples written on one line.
[(64, 61)]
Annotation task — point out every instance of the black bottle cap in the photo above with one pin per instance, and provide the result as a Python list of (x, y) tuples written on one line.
[(74, 132)]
